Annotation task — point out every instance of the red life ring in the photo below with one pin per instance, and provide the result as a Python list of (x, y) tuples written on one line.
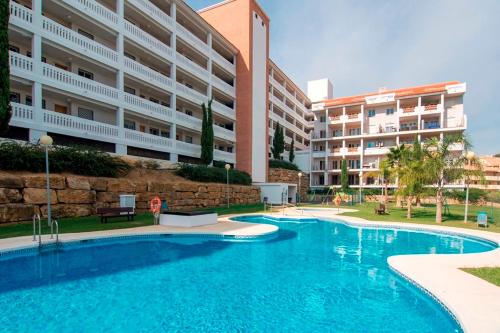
[(155, 205)]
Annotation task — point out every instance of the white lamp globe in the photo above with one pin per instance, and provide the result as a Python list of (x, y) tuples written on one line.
[(227, 166), (46, 140)]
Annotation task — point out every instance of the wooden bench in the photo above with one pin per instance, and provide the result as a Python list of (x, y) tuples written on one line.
[(116, 212), (380, 210)]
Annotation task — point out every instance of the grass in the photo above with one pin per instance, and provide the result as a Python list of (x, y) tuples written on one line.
[(490, 274), (93, 223), (426, 215)]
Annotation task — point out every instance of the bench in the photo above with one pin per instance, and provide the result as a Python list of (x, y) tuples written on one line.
[(380, 210), (116, 212)]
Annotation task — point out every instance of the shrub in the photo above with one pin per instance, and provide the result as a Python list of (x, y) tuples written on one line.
[(151, 164), (283, 165), (202, 173), (77, 160), (475, 195)]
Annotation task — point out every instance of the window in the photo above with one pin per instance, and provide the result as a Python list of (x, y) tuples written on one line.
[(28, 54), (129, 124), (389, 111), (189, 112), (322, 134), (86, 34), (129, 90), (337, 133), (189, 139), (85, 74), (154, 131), (370, 144), (165, 134), (13, 48), (371, 113), (44, 103), (28, 100), (229, 149), (167, 104), (85, 113), (355, 131), (154, 100), (15, 97), (322, 119)]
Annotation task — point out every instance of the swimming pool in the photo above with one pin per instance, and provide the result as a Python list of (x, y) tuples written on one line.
[(311, 276)]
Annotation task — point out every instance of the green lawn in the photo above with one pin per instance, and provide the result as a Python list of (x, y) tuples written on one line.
[(426, 215), (490, 274), (92, 223)]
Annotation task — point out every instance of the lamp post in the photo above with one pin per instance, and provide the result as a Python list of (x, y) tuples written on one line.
[(469, 156), (46, 141), (227, 166), (300, 177)]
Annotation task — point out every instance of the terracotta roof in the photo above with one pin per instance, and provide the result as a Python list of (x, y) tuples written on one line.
[(490, 162), (403, 92)]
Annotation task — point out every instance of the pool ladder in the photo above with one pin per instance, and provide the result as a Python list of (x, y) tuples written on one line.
[(36, 219)]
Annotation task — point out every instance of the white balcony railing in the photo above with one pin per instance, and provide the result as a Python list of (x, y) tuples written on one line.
[(223, 86), (223, 110), (145, 107), (190, 38), (149, 140), (224, 155), (21, 112), (224, 133), (188, 148), (188, 121), (146, 40), (77, 84), (191, 94), (84, 126), (154, 12), (72, 39), (20, 15), (192, 67), (148, 74), (95, 10), (223, 62), (19, 62)]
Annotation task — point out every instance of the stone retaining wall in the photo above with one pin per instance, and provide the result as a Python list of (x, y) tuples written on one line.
[(21, 196), (277, 175)]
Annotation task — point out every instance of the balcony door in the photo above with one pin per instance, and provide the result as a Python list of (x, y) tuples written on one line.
[(61, 108)]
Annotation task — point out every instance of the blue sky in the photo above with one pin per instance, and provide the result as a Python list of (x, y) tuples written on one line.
[(363, 45)]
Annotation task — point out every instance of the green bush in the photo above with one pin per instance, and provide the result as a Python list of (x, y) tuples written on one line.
[(202, 173), (475, 195), (283, 165), (82, 161)]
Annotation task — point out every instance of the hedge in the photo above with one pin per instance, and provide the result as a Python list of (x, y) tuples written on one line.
[(283, 165), (77, 160), (475, 195), (207, 174)]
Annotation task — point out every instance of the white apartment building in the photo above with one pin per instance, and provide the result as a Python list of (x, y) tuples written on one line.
[(289, 107), (362, 128), (126, 76)]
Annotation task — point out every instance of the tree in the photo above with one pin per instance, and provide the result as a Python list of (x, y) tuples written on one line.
[(445, 166), (291, 156), (386, 173), (207, 134), (5, 108), (344, 178), (393, 160), (278, 142)]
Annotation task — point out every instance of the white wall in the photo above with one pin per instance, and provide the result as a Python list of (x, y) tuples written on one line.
[(319, 90), (303, 159), (259, 102)]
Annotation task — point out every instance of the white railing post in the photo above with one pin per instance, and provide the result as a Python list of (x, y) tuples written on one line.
[(120, 114)]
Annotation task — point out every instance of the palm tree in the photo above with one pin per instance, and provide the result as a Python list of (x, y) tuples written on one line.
[(445, 166), (394, 158)]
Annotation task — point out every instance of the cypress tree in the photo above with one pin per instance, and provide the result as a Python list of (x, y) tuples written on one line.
[(5, 109), (344, 179), (278, 142), (207, 135), (291, 156)]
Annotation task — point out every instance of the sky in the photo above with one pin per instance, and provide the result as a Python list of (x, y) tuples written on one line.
[(362, 45)]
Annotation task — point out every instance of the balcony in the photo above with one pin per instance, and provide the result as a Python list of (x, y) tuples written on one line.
[(147, 74), (144, 107), (376, 151), (188, 149), (188, 121), (192, 67), (353, 117), (223, 110), (20, 16), (223, 86), (224, 133), (191, 94), (224, 156), (143, 39), (223, 62), (153, 12), (191, 39), (96, 11), (148, 141)]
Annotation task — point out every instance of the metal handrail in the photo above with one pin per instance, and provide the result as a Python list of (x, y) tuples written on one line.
[(36, 218), (54, 221)]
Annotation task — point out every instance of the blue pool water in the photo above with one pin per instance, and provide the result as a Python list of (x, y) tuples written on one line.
[(311, 277)]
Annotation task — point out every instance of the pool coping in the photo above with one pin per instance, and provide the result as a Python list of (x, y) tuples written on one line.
[(470, 300)]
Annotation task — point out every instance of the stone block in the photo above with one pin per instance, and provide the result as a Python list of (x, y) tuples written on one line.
[(98, 184), (107, 197), (11, 182), (121, 185), (76, 196), (16, 212), (68, 210), (9, 195), (40, 181), (78, 183), (38, 196)]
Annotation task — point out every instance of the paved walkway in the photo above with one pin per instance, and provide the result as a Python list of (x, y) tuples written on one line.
[(474, 301)]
